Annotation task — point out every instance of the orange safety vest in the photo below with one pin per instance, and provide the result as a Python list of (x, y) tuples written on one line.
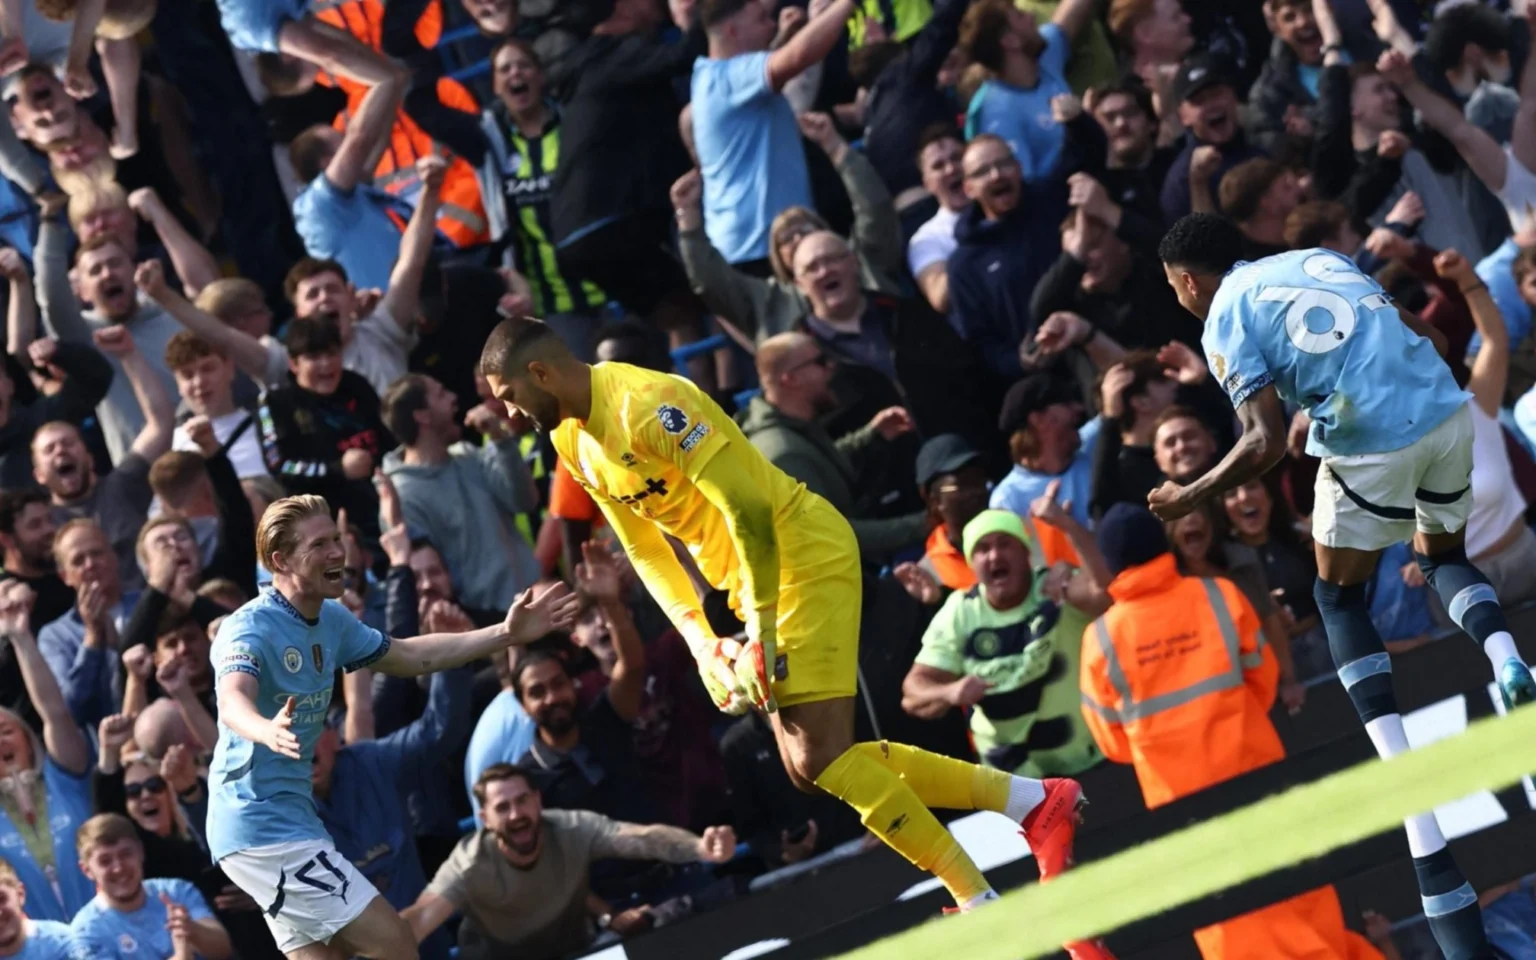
[(1177, 680), (462, 217)]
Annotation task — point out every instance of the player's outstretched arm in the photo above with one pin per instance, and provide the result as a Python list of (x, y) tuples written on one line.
[(536, 612), (1260, 447), (429, 912), (237, 710)]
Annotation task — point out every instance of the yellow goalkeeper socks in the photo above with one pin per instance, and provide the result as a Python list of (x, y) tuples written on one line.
[(890, 806), (941, 781)]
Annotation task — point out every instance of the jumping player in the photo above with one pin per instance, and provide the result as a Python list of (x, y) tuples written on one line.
[(661, 458), (1395, 437), (276, 659)]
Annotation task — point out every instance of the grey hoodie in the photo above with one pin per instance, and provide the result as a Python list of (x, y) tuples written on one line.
[(468, 508)]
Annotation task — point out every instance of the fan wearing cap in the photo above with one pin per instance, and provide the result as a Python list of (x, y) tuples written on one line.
[(1049, 443), (1008, 646), (953, 483), (1214, 141)]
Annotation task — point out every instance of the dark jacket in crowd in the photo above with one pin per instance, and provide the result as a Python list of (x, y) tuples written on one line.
[(1144, 312), (365, 812), (1278, 88), (1176, 197), (619, 147), (993, 273), (1139, 193), (304, 434), (905, 98), (835, 470), (87, 376)]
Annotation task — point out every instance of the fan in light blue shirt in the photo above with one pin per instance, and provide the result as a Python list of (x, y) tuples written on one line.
[(1023, 486), (503, 734), (1332, 342), (1021, 116), (352, 227), (257, 797), (105, 932), (46, 940), (35, 939), (749, 151)]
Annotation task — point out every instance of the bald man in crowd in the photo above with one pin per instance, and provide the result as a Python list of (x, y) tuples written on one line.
[(784, 423)]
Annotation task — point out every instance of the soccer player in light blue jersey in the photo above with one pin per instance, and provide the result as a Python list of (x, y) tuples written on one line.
[(1395, 437), (275, 660), (21, 937)]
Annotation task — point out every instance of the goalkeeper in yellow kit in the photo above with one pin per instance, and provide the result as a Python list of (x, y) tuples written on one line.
[(660, 457)]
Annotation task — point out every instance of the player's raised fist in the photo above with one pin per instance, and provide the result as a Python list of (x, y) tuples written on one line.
[(1167, 501)]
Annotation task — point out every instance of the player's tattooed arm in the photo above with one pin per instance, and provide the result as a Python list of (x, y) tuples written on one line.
[(634, 841), (1259, 448)]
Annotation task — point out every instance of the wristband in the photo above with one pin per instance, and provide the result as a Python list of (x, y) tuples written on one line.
[(1476, 286)]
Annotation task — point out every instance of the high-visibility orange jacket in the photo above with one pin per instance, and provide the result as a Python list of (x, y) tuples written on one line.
[(462, 217), (1177, 680)]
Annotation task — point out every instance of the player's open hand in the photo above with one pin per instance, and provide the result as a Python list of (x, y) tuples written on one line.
[(537, 612), (1168, 502), (280, 737), (717, 668), (754, 672), (718, 845)]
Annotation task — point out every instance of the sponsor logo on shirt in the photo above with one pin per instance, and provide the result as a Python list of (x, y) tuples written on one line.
[(652, 486), (695, 437), (672, 419), (1234, 383), (293, 660)]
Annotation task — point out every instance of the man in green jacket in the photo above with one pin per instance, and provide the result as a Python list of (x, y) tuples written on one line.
[(783, 423)]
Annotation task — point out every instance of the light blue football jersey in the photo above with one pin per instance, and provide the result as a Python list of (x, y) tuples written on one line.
[(256, 797), (1331, 341), (47, 940), (105, 933)]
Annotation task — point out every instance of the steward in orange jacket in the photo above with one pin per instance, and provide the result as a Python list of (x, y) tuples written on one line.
[(1178, 681), (462, 217)]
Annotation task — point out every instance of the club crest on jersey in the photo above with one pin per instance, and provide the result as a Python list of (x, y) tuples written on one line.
[(127, 944), (672, 419), (293, 660), (695, 437)]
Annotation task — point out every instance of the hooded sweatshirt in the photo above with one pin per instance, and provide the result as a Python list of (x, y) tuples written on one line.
[(468, 508)]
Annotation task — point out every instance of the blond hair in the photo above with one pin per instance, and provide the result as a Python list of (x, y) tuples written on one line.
[(93, 197), (278, 531), (68, 530), (103, 829), (230, 297)]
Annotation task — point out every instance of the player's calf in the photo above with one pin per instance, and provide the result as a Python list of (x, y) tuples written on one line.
[(1359, 656), (1473, 605)]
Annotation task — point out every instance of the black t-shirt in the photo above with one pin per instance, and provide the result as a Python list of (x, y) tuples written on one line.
[(620, 150), (600, 774), (1289, 571)]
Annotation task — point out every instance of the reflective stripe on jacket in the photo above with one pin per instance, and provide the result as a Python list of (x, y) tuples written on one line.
[(1177, 680), (462, 216)]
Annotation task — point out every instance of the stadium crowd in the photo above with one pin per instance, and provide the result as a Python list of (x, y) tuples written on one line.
[(253, 252)]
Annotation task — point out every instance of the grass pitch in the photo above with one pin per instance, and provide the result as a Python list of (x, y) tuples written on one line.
[(1280, 831)]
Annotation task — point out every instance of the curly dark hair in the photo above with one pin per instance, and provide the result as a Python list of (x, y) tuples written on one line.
[(1203, 242)]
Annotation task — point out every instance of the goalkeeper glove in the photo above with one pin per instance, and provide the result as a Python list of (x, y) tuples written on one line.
[(716, 657), (754, 671)]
